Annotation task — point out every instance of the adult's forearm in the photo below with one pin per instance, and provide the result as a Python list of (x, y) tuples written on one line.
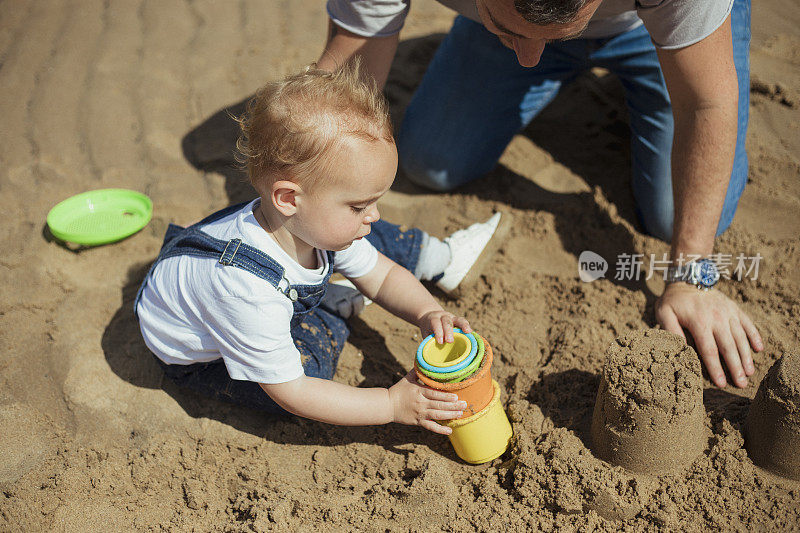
[(376, 53), (703, 87), (702, 160)]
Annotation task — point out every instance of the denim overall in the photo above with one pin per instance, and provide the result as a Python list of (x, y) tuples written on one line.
[(318, 335)]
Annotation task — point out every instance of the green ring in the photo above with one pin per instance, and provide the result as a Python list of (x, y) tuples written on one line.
[(461, 375)]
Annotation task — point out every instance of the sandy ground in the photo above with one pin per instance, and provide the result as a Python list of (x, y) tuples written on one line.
[(128, 94)]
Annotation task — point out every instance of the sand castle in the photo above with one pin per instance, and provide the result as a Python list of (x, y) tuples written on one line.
[(649, 415), (772, 431), (463, 367)]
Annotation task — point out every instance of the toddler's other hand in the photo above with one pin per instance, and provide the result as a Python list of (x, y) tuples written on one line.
[(440, 324), (417, 405)]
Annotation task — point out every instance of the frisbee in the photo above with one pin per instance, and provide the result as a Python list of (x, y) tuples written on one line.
[(100, 217)]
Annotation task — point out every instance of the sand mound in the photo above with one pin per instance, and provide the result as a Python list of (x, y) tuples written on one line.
[(649, 414), (773, 423)]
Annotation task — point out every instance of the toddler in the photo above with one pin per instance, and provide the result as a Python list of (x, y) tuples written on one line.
[(235, 305)]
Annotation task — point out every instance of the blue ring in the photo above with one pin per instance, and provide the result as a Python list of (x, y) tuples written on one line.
[(452, 368), (422, 346)]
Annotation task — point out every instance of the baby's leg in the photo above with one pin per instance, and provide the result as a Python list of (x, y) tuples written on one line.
[(456, 260), (423, 255), (402, 247), (320, 338), (211, 380)]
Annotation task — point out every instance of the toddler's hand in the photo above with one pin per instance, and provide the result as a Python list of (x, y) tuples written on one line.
[(417, 405), (440, 324)]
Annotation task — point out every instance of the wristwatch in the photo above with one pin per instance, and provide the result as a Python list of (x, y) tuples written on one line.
[(702, 273)]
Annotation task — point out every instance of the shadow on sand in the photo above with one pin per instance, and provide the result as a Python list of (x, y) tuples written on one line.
[(130, 359)]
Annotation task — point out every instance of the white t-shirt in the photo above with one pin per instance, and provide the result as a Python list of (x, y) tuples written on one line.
[(671, 23), (194, 309)]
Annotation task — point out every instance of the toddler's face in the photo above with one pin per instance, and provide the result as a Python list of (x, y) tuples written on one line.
[(343, 205)]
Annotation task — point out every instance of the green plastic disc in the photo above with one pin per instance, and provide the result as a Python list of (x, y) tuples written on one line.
[(100, 217)]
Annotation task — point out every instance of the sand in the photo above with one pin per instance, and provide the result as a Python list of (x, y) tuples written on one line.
[(649, 415), (92, 438), (772, 431)]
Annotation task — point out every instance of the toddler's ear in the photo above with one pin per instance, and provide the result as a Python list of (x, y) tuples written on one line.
[(284, 196)]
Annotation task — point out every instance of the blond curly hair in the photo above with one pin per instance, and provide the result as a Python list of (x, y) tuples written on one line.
[(290, 125)]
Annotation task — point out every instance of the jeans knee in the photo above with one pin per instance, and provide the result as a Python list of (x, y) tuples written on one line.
[(436, 180), (435, 171), (432, 161), (657, 223)]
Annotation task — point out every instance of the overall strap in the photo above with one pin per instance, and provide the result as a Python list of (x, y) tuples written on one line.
[(234, 252), (193, 241)]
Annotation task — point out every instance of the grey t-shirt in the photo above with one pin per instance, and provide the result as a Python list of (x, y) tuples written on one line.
[(671, 23)]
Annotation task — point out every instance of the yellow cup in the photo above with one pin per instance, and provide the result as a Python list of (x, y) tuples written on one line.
[(483, 436), (448, 354)]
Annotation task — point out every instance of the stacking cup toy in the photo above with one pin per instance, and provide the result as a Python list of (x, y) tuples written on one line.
[(476, 390), (484, 435), (449, 356), (459, 375)]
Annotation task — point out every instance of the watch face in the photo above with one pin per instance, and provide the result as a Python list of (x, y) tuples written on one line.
[(707, 274)]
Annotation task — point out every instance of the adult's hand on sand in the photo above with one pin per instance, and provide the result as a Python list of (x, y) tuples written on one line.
[(718, 327)]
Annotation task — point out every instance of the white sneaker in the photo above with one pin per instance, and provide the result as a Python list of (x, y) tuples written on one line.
[(342, 298), (470, 249)]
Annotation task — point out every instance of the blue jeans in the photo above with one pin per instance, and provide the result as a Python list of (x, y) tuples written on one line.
[(475, 97)]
